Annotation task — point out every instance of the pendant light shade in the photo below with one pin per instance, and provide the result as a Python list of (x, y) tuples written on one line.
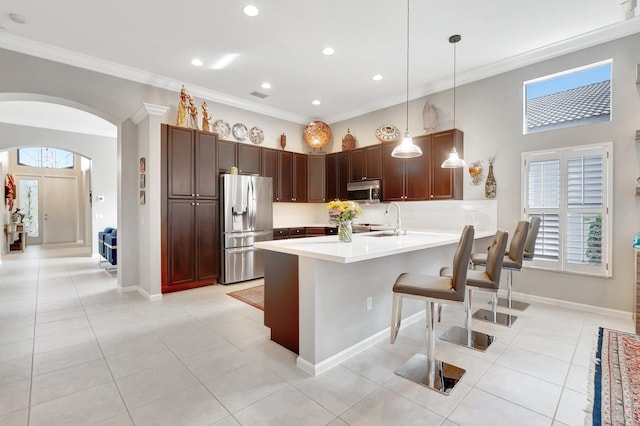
[(406, 148), (454, 161)]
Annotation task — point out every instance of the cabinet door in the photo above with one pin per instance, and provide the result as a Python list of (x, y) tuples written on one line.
[(342, 174), (316, 178), (445, 183), (299, 178), (285, 173), (249, 159), (206, 172), (270, 169), (417, 172), (226, 155), (358, 165), (180, 170), (181, 244), (331, 181), (374, 162), (392, 175), (206, 223)]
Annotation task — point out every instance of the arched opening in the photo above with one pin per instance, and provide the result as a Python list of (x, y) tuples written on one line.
[(28, 120)]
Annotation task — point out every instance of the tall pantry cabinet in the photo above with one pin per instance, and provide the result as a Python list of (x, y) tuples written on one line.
[(189, 240)]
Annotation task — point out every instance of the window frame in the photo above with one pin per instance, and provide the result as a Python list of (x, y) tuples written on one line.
[(563, 210), (560, 74)]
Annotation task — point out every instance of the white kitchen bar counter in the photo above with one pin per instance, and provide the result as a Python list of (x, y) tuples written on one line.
[(328, 301)]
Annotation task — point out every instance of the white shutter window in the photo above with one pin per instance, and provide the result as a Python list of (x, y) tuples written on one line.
[(569, 189)]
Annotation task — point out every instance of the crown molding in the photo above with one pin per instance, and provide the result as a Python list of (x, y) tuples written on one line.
[(81, 60), (146, 110), (583, 41)]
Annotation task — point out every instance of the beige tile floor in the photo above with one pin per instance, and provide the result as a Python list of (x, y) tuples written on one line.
[(75, 351)]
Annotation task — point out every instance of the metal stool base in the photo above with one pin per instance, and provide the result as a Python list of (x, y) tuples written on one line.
[(443, 379), (501, 319), (471, 339)]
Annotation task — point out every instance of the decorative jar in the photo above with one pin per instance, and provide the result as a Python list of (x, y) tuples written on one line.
[(345, 232)]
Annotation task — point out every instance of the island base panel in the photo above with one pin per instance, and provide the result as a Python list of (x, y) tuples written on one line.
[(281, 305)]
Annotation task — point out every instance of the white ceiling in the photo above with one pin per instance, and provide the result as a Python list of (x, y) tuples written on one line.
[(146, 41)]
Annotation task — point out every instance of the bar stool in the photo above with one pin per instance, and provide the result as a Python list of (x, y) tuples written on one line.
[(512, 262), (427, 370), (487, 280), (528, 255)]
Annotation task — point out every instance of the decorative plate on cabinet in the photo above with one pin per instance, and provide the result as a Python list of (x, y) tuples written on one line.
[(387, 133), (256, 135), (222, 128), (240, 131)]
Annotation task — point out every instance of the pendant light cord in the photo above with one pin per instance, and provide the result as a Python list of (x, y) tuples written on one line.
[(407, 105), (454, 85)]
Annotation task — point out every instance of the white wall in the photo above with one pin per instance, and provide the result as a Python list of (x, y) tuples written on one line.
[(101, 150), (490, 114)]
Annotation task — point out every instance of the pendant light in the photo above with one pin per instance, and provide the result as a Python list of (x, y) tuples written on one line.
[(454, 162), (406, 148)]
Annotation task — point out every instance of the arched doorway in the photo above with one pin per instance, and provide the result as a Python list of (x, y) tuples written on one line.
[(41, 121)]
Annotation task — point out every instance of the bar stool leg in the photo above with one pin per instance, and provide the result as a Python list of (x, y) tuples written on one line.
[(428, 371), (509, 302), (466, 336), (493, 316)]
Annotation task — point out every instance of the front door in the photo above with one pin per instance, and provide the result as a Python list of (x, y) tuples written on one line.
[(60, 210)]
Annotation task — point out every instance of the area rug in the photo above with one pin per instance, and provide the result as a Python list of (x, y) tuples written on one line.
[(253, 296), (616, 379)]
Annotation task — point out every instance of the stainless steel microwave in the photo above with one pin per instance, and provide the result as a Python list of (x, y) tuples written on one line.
[(368, 191)]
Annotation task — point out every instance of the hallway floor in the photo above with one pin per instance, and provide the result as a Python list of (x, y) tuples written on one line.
[(73, 350)]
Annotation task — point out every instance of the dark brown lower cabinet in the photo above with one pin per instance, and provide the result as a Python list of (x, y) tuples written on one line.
[(281, 299), (191, 248)]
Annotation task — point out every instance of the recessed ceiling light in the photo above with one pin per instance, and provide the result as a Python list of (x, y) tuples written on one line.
[(328, 51), (251, 10), (17, 18), (316, 102), (377, 77), (266, 85), (196, 62)]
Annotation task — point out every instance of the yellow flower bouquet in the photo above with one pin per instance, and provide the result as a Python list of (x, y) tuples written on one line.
[(342, 213)]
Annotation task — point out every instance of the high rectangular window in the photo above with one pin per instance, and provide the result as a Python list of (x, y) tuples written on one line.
[(570, 189), (569, 98)]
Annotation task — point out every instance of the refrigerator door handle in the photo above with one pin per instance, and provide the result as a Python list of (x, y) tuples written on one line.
[(252, 203), (241, 250)]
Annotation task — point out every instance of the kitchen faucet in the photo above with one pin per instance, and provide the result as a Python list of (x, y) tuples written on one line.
[(398, 230)]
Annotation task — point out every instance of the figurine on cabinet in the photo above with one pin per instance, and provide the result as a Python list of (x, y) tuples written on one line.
[(192, 114), (182, 107), (206, 118)]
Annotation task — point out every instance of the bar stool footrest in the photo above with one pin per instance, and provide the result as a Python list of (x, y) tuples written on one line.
[(469, 339), (501, 319), (443, 379)]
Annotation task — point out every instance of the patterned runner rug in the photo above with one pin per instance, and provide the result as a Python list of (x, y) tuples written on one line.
[(616, 379), (253, 296)]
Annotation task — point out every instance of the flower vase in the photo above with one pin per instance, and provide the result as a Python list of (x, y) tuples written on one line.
[(490, 184), (345, 232)]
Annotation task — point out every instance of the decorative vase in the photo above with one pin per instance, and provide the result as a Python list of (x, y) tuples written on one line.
[(345, 232), (490, 184)]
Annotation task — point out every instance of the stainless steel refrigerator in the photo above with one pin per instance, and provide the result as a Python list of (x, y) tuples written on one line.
[(247, 217)]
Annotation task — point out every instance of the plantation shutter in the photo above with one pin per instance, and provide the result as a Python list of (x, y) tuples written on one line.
[(569, 190)]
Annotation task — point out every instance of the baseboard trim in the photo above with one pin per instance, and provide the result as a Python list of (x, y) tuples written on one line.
[(566, 304), (146, 295), (329, 363)]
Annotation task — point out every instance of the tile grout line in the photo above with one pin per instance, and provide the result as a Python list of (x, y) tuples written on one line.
[(33, 346), (99, 347)]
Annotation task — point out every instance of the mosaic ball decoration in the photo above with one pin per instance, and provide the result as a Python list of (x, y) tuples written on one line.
[(317, 134)]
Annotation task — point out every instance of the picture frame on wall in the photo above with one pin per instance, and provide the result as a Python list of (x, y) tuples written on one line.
[(142, 181), (143, 164), (142, 198)]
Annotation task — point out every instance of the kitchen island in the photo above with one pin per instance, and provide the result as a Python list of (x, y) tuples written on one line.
[(327, 300)]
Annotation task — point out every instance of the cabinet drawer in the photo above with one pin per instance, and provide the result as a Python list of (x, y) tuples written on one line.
[(297, 232), (279, 234), (314, 231), (330, 230)]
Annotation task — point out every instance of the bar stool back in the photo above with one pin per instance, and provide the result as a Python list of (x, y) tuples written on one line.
[(487, 280), (427, 370)]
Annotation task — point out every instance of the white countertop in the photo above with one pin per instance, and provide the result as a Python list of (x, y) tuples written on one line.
[(365, 246)]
